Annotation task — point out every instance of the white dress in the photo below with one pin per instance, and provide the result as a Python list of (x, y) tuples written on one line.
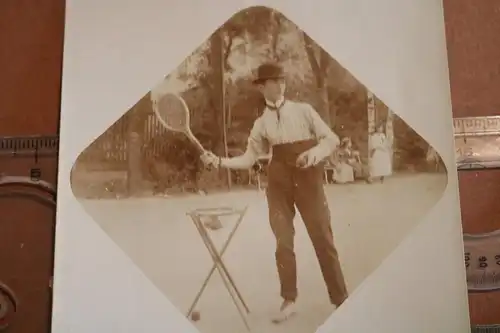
[(343, 173), (380, 163)]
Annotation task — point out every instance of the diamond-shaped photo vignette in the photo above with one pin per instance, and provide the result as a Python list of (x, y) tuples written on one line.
[(144, 183)]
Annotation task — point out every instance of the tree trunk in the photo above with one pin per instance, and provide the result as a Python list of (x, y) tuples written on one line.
[(142, 110), (134, 163), (389, 129), (324, 60), (324, 108), (135, 136), (371, 110), (372, 116), (320, 69), (225, 127), (218, 64), (216, 82), (275, 32)]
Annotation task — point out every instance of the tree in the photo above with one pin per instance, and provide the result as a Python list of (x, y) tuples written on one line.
[(276, 20), (319, 61)]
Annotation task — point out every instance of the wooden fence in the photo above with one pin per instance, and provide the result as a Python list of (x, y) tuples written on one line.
[(109, 151)]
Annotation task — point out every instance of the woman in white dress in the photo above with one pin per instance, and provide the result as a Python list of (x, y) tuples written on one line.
[(380, 156), (347, 162)]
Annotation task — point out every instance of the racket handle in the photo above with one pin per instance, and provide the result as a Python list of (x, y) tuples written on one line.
[(195, 141), (199, 146)]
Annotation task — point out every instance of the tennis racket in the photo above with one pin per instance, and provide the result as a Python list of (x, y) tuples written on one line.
[(173, 113)]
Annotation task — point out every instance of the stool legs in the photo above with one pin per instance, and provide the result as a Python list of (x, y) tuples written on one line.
[(220, 267)]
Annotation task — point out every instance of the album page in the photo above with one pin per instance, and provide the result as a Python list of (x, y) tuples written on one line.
[(266, 166)]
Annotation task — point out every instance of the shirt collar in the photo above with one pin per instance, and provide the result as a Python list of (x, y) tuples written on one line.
[(278, 104)]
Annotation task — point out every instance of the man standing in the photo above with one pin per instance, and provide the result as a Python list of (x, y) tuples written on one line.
[(299, 141)]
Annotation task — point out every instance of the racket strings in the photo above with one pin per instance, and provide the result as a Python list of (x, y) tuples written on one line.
[(173, 112)]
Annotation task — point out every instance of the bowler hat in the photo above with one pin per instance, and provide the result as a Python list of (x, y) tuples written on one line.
[(269, 71)]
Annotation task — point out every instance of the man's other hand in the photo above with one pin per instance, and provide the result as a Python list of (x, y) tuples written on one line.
[(308, 159)]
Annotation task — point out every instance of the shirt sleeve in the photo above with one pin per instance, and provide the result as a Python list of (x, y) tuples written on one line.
[(257, 145), (328, 141)]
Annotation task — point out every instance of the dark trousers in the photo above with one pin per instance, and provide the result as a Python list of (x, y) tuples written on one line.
[(290, 186)]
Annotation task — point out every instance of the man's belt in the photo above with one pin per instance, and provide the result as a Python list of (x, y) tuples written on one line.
[(289, 152)]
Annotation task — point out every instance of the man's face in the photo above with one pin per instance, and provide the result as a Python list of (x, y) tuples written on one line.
[(273, 89)]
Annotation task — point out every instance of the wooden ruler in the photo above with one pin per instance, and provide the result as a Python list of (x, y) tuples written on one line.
[(27, 230)]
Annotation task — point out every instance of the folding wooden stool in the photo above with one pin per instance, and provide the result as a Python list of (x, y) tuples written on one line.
[(198, 216)]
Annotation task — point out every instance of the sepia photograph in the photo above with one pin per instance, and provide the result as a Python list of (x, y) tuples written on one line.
[(260, 183)]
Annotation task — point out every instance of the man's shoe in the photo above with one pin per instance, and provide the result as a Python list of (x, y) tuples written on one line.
[(287, 310)]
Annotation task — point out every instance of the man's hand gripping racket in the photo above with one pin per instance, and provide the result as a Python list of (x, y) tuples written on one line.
[(173, 113)]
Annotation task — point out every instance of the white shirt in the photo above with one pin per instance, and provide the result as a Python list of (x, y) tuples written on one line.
[(296, 122)]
